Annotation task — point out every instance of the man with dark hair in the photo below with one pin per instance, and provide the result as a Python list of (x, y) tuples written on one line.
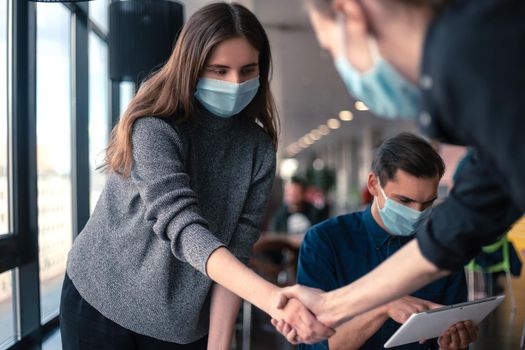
[(405, 175), (296, 215)]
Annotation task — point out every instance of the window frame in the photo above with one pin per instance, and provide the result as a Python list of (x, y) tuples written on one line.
[(19, 248)]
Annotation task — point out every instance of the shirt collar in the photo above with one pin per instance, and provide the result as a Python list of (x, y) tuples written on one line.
[(379, 235)]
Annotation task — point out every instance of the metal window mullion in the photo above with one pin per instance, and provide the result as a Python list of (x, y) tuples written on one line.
[(80, 121), (24, 167)]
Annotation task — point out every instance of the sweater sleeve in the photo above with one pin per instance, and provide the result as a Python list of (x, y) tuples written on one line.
[(247, 230), (158, 172)]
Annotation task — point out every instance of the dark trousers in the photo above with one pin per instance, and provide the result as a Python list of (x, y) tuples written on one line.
[(82, 327)]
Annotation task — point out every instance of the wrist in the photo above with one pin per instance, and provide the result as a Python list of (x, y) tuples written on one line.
[(330, 309), (269, 300), (220, 340)]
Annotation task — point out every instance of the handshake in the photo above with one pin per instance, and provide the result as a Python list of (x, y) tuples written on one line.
[(307, 315)]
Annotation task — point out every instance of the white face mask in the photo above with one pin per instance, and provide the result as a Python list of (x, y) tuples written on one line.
[(226, 99), (399, 219), (382, 88)]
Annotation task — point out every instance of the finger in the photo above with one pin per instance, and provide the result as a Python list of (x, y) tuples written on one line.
[(312, 322), (291, 337), (287, 328), (444, 340), (279, 326), (274, 322), (471, 329), (404, 315), (454, 338), (432, 305), (464, 338), (284, 327), (312, 327)]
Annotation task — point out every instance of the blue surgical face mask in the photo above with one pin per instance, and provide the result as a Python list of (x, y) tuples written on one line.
[(226, 99), (382, 88), (399, 219)]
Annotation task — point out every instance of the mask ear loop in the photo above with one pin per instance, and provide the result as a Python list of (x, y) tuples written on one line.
[(382, 193), (341, 23), (381, 189), (372, 42), (374, 49)]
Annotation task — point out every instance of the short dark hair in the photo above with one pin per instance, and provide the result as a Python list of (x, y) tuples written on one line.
[(299, 180), (409, 153)]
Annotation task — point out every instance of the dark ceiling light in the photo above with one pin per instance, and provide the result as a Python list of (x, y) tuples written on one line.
[(58, 0), (142, 34)]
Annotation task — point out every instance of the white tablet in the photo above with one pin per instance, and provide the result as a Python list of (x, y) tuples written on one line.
[(433, 323)]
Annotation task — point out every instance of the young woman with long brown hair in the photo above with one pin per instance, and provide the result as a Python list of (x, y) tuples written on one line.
[(191, 163)]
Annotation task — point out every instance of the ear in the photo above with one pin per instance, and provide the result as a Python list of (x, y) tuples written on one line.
[(357, 33), (325, 29), (373, 184), (354, 13)]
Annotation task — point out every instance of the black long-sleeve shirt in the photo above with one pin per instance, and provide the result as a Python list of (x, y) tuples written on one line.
[(473, 82)]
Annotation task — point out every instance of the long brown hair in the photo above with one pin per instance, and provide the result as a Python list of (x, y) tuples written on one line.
[(169, 92)]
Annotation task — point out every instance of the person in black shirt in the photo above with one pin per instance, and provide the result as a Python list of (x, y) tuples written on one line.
[(296, 215), (455, 67)]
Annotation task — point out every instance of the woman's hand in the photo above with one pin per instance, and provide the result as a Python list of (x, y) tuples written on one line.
[(223, 268), (287, 331)]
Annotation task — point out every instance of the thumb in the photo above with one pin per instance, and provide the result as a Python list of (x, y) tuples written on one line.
[(432, 305), (283, 300), (284, 295)]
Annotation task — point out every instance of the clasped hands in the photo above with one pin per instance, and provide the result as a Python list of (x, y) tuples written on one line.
[(305, 317)]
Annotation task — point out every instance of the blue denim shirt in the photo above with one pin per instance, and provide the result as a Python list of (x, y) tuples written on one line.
[(338, 251)]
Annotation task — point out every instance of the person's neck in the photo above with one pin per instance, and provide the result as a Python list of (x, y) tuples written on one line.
[(403, 43), (294, 208)]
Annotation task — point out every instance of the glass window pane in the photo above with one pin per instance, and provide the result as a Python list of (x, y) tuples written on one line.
[(4, 198), (98, 113), (7, 315), (53, 150), (98, 12), (126, 91)]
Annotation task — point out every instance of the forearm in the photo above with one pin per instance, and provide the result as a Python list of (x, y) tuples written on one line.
[(223, 268), (223, 314), (401, 274), (354, 333)]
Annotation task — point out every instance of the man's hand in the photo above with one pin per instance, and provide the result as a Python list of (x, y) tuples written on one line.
[(459, 336), (401, 309), (299, 325), (314, 299)]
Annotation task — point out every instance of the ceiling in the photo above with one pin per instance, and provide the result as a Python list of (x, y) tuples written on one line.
[(306, 86)]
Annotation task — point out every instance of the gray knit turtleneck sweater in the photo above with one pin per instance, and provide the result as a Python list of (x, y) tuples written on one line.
[(141, 258)]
